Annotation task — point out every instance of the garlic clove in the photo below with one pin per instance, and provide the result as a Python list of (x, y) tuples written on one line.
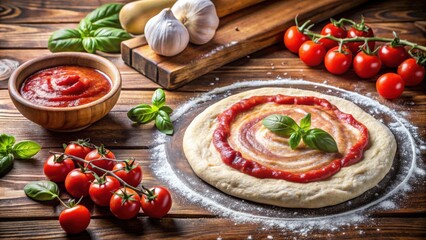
[(165, 34), (199, 17)]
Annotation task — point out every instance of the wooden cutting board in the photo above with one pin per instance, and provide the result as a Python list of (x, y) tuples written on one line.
[(239, 34)]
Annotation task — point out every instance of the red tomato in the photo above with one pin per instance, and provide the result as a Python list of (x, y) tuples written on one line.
[(56, 168), (311, 53), (100, 153), (393, 56), (353, 32), (293, 39), (125, 203), (77, 183), (130, 173), (75, 220), (78, 149), (159, 205), (411, 72), (338, 62), (101, 190), (333, 30), (390, 85), (365, 65)]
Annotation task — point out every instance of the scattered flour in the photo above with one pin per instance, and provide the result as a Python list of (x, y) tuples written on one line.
[(409, 141)]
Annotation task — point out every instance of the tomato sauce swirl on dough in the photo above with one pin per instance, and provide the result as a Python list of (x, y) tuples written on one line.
[(247, 146)]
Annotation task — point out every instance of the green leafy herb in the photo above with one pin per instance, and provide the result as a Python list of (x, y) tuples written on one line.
[(6, 163), (42, 190), (99, 30), (158, 111), (25, 149), (9, 150), (281, 125), (314, 138)]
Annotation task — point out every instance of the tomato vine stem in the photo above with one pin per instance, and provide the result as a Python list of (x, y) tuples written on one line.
[(111, 173)]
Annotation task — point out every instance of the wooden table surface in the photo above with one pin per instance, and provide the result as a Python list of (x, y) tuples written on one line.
[(25, 27)]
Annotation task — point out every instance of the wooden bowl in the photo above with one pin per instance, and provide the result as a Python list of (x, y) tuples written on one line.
[(65, 119)]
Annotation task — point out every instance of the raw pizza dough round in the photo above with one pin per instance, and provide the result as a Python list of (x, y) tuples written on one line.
[(349, 182)]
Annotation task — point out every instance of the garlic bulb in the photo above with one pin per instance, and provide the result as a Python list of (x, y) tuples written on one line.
[(199, 17), (165, 34)]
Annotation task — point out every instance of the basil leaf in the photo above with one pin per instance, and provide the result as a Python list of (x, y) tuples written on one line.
[(6, 164), (142, 114), (105, 16), (42, 190), (89, 44), (25, 149), (295, 140), (66, 40), (321, 140), (163, 123), (305, 123), (159, 98), (166, 109), (6, 143), (281, 125), (109, 39), (86, 27)]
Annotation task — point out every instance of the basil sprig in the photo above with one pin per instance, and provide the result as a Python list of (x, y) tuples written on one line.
[(42, 190), (158, 111), (99, 30), (9, 150), (314, 138)]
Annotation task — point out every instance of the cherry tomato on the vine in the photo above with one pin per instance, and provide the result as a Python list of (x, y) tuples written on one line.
[(75, 219), (97, 154), (366, 65), (125, 203), (131, 172), (354, 32), (101, 190), (311, 53), (411, 72), (338, 62), (293, 39), (56, 168), (393, 56), (77, 183), (333, 30), (157, 205), (79, 148), (390, 85)]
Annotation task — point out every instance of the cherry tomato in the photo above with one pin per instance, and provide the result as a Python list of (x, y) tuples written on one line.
[(130, 173), (101, 190), (365, 65), (77, 183), (79, 148), (333, 30), (390, 85), (353, 32), (75, 220), (338, 62), (411, 72), (125, 203), (392, 56), (99, 153), (293, 39), (159, 205), (311, 53), (56, 168)]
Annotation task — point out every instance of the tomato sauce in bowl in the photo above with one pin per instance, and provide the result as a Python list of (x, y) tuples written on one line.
[(65, 86)]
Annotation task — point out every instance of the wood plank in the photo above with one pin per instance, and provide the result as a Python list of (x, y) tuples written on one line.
[(266, 24), (218, 228)]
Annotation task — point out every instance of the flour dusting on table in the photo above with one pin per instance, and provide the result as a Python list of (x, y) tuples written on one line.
[(410, 148)]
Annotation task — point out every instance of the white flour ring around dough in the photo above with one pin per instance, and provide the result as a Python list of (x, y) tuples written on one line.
[(348, 183)]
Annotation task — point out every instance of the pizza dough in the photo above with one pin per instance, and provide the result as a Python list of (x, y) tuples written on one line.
[(348, 183)]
